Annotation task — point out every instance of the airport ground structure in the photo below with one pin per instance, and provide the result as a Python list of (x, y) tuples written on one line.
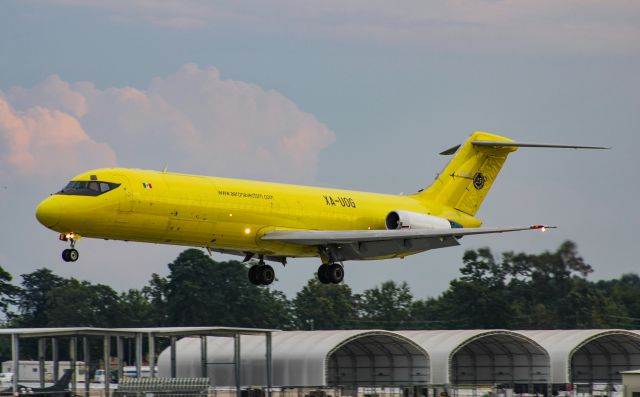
[(377, 362)]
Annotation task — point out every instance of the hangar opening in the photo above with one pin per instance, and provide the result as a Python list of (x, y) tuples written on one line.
[(377, 359), (600, 359), (504, 358)]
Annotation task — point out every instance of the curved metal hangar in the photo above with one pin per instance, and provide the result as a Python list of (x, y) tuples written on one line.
[(526, 361)]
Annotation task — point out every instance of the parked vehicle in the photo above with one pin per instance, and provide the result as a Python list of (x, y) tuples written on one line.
[(6, 379), (132, 372)]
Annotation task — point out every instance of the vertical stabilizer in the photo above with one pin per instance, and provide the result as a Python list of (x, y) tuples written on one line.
[(466, 180)]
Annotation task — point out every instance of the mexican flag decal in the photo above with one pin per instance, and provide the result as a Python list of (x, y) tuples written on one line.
[(147, 185)]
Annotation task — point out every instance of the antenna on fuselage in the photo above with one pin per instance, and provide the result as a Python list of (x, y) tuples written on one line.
[(166, 167)]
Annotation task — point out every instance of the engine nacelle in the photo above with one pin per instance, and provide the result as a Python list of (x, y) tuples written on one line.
[(414, 220)]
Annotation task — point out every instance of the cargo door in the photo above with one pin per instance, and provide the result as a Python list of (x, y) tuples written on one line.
[(192, 218), (125, 202)]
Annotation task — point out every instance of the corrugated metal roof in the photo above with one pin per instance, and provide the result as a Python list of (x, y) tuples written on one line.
[(562, 344), (300, 358), (442, 345), (158, 331)]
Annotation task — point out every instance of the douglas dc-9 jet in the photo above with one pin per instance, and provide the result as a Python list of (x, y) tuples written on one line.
[(273, 222)]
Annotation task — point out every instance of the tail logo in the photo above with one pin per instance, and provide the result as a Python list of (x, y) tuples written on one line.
[(478, 180)]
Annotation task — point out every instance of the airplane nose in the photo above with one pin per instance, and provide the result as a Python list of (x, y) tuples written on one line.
[(48, 212)]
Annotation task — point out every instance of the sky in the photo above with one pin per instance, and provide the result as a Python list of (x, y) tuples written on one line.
[(354, 94)]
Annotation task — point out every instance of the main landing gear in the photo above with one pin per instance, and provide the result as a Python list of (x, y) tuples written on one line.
[(331, 273), (69, 254), (261, 274)]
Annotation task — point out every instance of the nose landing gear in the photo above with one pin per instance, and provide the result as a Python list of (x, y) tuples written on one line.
[(69, 254)]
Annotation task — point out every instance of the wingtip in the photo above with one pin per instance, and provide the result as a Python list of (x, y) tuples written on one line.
[(542, 227)]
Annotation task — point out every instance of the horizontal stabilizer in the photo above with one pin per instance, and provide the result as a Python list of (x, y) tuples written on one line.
[(523, 144), (450, 151)]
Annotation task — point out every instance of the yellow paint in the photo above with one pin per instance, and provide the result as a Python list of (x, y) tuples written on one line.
[(233, 214)]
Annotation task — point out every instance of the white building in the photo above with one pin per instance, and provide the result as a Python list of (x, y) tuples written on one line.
[(30, 370)]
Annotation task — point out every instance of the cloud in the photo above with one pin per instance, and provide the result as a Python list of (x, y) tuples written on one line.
[(192, 120), (41, 141), (51, 93), (526, 26)]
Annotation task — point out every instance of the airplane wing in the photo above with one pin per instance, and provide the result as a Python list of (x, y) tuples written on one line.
[(371, 244)]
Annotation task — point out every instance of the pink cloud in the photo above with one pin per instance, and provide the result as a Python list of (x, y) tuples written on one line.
[(192, 120), (40, 141), (53, 92)]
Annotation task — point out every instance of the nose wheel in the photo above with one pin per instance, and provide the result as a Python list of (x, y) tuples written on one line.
[(70, 255)]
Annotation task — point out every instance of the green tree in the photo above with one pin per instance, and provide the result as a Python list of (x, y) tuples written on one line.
[(387, 306), (8, 291), (156, 294), (80, 303), (32, 297), (625, 292), (201, 291), (135, 310), (548, 290), (325, 306), (478, 299)]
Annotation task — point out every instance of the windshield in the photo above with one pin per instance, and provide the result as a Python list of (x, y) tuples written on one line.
[(88, 188)]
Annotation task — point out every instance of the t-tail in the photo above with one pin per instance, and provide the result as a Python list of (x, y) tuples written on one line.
[(466, 180)]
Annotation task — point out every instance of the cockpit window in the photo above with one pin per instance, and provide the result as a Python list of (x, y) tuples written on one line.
[(87, 188)]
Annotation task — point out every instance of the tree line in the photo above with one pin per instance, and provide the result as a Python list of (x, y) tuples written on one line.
[(513, 291)]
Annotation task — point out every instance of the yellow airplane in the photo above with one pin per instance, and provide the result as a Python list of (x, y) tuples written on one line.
[(278, 221)]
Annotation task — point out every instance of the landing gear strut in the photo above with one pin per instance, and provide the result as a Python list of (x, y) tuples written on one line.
[(261, 274), (332, 273), (70, 254)]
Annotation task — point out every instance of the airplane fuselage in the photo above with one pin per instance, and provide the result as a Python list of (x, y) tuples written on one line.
[(220, 213)]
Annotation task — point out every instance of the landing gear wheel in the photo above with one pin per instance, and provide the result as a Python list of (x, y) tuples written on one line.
[(323, 274), (335, 273), (266, 275), (70, 255), (253, 275), (73, 255)]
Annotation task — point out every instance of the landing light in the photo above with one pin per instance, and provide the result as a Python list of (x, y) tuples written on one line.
[(247, 231)]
